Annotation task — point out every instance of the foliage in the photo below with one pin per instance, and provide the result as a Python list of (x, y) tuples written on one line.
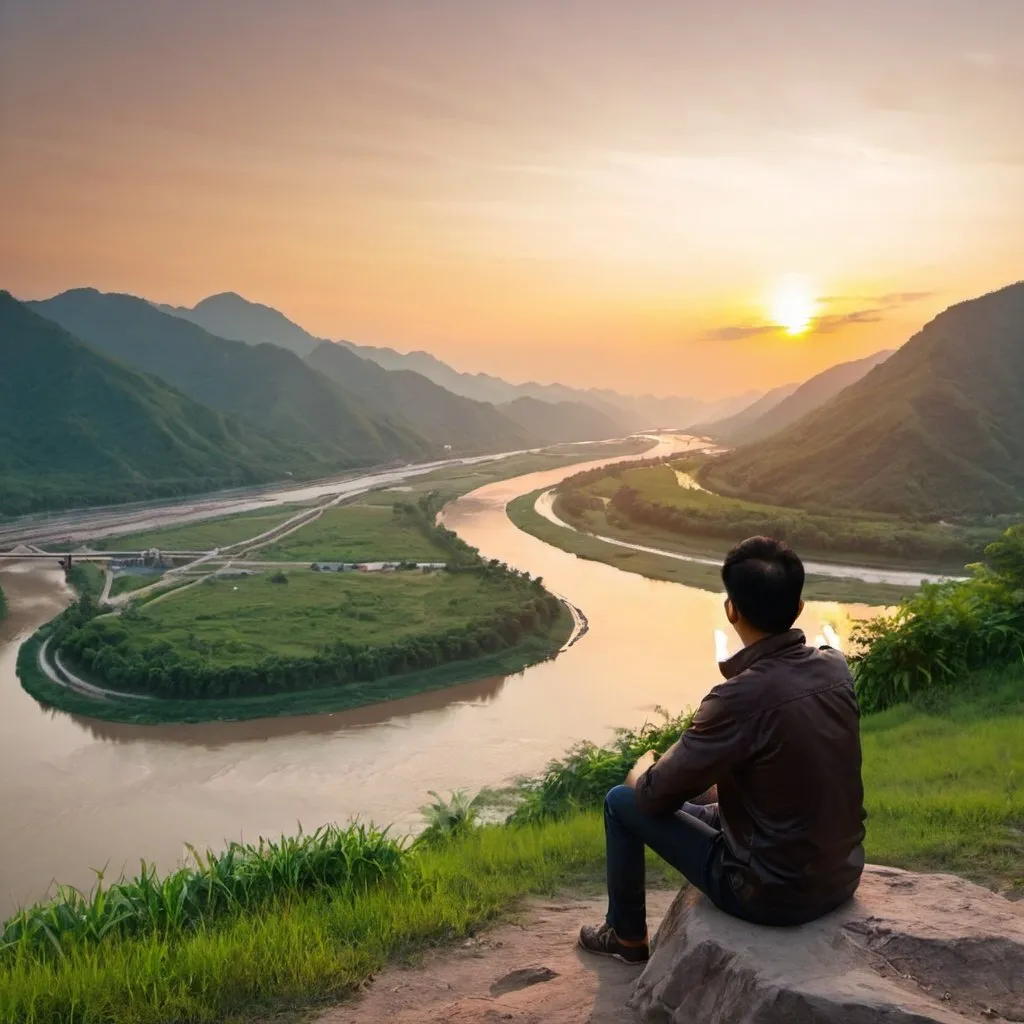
[(79, 427), (448, 819), (581, 778), (946, 630), (937, 429), (240, 880), (242, 637), (652, 497), (86, 578)]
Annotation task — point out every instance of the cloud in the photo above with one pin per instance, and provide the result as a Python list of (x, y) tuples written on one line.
[(737, 332), (888, 300)]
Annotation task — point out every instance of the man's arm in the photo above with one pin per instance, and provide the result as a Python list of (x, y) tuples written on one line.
[(692, 765)]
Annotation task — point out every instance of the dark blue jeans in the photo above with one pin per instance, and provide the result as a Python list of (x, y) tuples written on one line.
[(690, 840)]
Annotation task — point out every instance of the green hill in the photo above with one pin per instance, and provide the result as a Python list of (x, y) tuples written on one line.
[(79, 428), (937, 429), (266, 385), (728, 426), (808, 396)]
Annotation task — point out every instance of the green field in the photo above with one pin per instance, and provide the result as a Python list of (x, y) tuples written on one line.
[(715, 522), (245, 619), (129, 582), (203, 535), (944, 790), (660, 567), (354, 533)]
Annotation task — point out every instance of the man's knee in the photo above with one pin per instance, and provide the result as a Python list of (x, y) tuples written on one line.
[(620, 802)]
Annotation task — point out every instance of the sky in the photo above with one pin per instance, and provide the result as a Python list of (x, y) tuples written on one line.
[(617, 193)]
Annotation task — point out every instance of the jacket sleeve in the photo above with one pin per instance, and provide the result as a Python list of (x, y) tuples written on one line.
[(711, 745)]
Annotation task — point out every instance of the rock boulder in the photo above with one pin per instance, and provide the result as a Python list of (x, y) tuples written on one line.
[(909, 949)]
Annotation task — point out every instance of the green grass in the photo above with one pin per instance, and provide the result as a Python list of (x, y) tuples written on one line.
[(945, 786), (203, 535), (243, 620), (132, 581), (354, 533), (529, 651), (86, 578), (691, 574), (944, 791)]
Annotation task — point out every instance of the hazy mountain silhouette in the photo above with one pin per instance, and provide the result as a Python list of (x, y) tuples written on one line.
[(266, 385), (566, 421), (726, 427), (230, 316), (757, 422), (77, 427), (937, 429)]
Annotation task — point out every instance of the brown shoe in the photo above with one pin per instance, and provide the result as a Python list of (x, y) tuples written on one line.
[(603, 941)]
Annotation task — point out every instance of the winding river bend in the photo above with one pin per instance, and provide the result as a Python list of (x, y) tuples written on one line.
[(78, 794)]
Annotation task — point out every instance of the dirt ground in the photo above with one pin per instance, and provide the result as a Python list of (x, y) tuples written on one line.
[(526, 972)]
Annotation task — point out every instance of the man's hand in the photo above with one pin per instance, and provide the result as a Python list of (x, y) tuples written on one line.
[(645, 762)]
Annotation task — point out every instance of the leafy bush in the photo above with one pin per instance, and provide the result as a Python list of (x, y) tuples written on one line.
[(448, 819), (945, 630), (581, 778)]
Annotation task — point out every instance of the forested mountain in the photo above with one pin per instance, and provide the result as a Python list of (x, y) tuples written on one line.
[(807, 397), (567, 421), (729, 426), (937, 429), (231, 316), (266, 385), (439, 415), (77, 427)]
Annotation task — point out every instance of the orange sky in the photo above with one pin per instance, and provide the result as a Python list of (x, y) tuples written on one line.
[(603, 192)]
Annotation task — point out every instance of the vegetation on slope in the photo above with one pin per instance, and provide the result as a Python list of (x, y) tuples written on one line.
[(560, 421), (77, 427), (945, 631), (653, 497), (312, 918), (326, 427), (937, 429)]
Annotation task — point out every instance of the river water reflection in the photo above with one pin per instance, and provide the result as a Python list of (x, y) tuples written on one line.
[(79, 794)]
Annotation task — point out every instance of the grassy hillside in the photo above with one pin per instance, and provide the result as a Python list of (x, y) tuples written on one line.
[(78, 428), (937, 429), (268, 386)]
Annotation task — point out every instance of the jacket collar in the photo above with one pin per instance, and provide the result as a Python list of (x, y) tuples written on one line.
[(742, 660)]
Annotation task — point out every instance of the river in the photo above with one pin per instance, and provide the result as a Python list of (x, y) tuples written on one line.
[(79, 794)]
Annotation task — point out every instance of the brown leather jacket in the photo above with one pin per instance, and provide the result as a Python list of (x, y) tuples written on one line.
[(781, 740)]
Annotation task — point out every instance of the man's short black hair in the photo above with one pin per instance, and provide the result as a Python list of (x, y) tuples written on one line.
[(764, 579)]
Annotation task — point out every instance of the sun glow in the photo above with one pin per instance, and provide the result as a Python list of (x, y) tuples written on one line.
[(793, 305)]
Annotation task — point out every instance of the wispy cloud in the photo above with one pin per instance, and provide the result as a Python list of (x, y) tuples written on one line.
[(738, 332)]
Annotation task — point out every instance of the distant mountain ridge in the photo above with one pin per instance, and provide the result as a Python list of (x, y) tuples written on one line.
[(937, 429), (273, 389), (782, 406), (231, 316), (77, 427)]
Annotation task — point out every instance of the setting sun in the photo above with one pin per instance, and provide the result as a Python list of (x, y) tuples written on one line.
[(793, 305)]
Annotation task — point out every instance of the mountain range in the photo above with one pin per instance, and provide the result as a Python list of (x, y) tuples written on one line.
[(231, 316), (782, 406), (937, 429), (79, 428)]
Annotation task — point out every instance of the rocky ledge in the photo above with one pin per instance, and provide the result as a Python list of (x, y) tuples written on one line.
[(909, 949)]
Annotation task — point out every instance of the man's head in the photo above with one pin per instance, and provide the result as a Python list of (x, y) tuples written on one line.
[(764, 579)]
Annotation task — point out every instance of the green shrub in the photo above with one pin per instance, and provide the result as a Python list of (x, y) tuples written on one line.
[(945, 630), (448, 819), (581, 778)]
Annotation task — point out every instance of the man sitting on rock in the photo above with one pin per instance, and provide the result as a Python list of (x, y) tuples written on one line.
[(779, 741)]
